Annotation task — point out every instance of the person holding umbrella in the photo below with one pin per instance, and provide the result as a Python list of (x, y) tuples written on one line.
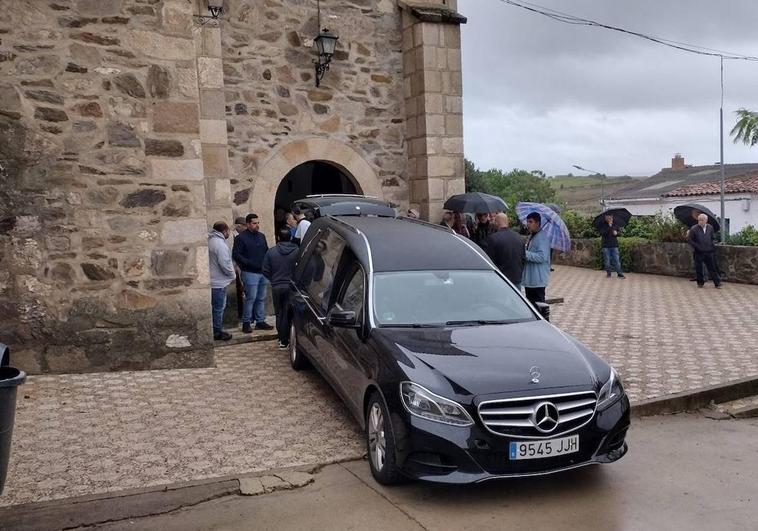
[(609, 232), (537, 267), (702, 238)]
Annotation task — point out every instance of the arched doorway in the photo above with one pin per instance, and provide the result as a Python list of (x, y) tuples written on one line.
[(312, 177), (269, 177)]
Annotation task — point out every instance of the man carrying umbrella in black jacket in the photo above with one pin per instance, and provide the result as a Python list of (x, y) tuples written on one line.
[(702, 238), (609, 232)]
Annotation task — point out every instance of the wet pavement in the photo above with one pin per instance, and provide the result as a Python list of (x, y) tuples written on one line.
[(92, 433), (682, 472)]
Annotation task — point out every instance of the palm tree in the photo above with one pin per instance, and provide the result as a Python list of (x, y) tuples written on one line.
[(746, 128)]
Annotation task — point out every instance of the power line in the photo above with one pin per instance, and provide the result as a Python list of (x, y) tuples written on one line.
[(578, 21)]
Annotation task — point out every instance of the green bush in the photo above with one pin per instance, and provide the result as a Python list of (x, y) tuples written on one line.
[(640, 227), (668, 229), (579, 225), (747, 236)]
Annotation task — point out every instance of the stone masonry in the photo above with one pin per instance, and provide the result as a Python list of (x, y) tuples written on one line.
[(128, 126)]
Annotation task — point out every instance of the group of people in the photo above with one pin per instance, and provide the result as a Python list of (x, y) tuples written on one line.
[(253, 265), (525, 264)]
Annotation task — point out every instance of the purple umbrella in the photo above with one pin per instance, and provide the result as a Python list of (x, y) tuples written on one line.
[(552, 224)]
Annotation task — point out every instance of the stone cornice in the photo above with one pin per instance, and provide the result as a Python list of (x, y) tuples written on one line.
[(432, 13)]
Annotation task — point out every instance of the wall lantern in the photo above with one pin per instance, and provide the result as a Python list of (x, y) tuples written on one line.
[(216, 7), (326, 41)]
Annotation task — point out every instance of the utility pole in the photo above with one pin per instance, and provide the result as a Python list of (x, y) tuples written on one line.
[(602, 183), (721, 138)]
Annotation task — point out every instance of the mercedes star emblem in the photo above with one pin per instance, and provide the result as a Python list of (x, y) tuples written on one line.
[(534, 372), (545, 417)]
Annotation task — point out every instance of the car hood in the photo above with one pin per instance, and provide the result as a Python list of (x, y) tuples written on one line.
[(480, 360)]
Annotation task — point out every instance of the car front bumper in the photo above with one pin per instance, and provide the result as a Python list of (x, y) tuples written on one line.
[(431, 451)]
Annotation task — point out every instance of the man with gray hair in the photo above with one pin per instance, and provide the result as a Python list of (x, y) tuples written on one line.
[(222, 274), (702, 238)]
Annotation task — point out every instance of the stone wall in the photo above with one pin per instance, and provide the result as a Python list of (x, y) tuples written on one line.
[(128, 126), (271, 97), (103, 258), (739, 264)]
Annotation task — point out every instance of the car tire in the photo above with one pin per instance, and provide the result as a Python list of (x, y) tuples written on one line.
[(297, 358), (380, 442)]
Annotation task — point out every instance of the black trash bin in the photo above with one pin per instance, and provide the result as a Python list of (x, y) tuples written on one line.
[(10, 379)]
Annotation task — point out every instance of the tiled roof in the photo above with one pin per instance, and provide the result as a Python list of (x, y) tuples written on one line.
[(669, 180), (732, 186)]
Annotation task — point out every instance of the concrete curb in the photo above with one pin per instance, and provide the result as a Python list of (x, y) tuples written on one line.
[(695, 399), (80, 511)]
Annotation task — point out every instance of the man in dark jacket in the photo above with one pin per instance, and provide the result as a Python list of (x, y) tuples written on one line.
[(702, 238), (249, 249), (609, 232), (278, 268), (506, 250)]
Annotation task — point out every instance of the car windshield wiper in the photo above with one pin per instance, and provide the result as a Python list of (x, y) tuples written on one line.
[(474, 322)]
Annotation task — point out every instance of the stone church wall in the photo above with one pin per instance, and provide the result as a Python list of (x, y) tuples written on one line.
[(103, 258), (272, 99), (128, 126)]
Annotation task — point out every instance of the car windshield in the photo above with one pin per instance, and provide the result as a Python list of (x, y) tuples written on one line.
[(446, 298)]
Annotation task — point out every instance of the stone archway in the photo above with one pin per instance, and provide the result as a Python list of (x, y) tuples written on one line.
[(276, 167)]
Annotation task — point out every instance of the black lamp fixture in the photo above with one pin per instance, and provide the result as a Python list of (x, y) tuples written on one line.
[(326, 41), (216, 7)]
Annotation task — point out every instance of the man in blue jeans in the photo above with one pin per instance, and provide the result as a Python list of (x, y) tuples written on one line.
[(609, 232), (249, 249), (222, 274)]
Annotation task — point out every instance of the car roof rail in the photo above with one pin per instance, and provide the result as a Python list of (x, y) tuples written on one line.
[(314, 196)]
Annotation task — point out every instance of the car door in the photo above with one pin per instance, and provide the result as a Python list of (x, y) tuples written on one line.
[(319, 281), (355, 360)]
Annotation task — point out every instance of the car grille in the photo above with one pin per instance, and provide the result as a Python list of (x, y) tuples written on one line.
[(516, 416)]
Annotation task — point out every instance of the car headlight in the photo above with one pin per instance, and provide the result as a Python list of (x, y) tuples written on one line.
[(425, 404), (611, 391)]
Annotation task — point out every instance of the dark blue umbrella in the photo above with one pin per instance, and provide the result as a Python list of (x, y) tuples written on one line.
[(552, 224)]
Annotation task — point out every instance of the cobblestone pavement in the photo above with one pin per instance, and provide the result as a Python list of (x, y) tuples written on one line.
[(91, 433)]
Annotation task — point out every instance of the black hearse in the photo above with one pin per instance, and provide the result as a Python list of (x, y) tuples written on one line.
[(454, 376)]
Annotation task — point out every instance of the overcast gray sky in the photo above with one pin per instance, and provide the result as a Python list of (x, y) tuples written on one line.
[(543, 95)]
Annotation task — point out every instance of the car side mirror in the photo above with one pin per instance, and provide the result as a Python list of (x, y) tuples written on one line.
[(5, 355), (544, 309), (342, 319)]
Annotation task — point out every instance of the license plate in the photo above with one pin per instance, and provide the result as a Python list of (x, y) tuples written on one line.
[(540, 449)]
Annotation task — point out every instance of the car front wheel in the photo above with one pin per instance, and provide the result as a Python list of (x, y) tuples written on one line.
[(380, 442)]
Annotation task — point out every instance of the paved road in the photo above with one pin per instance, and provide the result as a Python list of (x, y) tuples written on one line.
[(682, 472), (92, 433)]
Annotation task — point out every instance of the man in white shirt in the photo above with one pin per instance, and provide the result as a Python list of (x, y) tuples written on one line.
[(302, 225)]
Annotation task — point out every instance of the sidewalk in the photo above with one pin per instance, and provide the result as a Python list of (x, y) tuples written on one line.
[(92, 433)]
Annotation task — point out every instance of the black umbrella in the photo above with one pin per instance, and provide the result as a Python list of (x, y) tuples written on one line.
[(475, 202), (621, 217), (688, 214)]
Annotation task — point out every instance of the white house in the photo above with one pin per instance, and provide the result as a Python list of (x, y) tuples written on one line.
[(682, 184)]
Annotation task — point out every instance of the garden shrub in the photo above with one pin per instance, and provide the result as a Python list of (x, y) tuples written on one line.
[(747, 236)]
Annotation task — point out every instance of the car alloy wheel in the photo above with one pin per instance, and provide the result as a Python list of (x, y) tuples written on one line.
[(380, 442), (376, 441)]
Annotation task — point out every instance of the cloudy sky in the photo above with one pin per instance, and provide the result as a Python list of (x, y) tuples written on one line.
[(540, 94)]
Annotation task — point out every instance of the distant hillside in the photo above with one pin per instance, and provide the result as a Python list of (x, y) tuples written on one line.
[(582, 192)]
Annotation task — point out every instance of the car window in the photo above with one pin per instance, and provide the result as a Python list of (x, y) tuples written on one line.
[(352, 295), (446, 297), (317, 277)]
